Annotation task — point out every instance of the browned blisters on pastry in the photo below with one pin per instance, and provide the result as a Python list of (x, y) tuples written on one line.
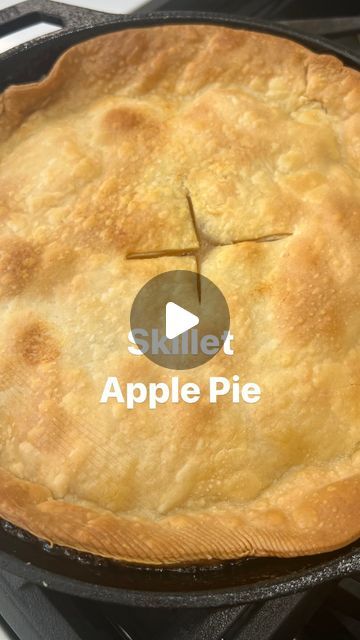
[(18, 262), (58, 263), (35, 344), (123, 121), (122, 118)]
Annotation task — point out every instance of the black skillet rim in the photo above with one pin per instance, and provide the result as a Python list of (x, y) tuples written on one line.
[(17, 547), (90, 576)]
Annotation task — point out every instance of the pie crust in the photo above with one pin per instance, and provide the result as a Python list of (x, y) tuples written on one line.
[(98, 161)]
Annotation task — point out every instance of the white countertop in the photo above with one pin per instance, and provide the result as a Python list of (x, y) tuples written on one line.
[(4, 635)]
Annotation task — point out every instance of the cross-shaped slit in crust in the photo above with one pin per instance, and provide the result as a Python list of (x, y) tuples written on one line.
[(204, 245)]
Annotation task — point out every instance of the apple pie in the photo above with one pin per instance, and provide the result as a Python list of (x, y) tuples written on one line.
[(98, 163)]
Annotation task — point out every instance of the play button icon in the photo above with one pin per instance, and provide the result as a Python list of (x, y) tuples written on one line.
[(179, 320)]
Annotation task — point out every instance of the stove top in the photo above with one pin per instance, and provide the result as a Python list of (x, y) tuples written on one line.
[(331, 611), (338, 20)]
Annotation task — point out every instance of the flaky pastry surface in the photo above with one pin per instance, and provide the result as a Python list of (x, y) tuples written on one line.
[(96, 163)]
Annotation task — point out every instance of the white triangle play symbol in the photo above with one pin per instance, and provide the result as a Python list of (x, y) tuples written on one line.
[(178, 320)]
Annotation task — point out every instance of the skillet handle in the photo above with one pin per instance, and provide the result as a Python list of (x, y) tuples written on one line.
[(31, 12)]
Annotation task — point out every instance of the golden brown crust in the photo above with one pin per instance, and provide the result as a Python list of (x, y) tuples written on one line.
[(322, 521), (96, 161)]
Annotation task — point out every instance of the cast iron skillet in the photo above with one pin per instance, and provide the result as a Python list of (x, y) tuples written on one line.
[(83, 574)]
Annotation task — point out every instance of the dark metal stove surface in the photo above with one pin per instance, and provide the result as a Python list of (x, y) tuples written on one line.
[(332, 610)]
